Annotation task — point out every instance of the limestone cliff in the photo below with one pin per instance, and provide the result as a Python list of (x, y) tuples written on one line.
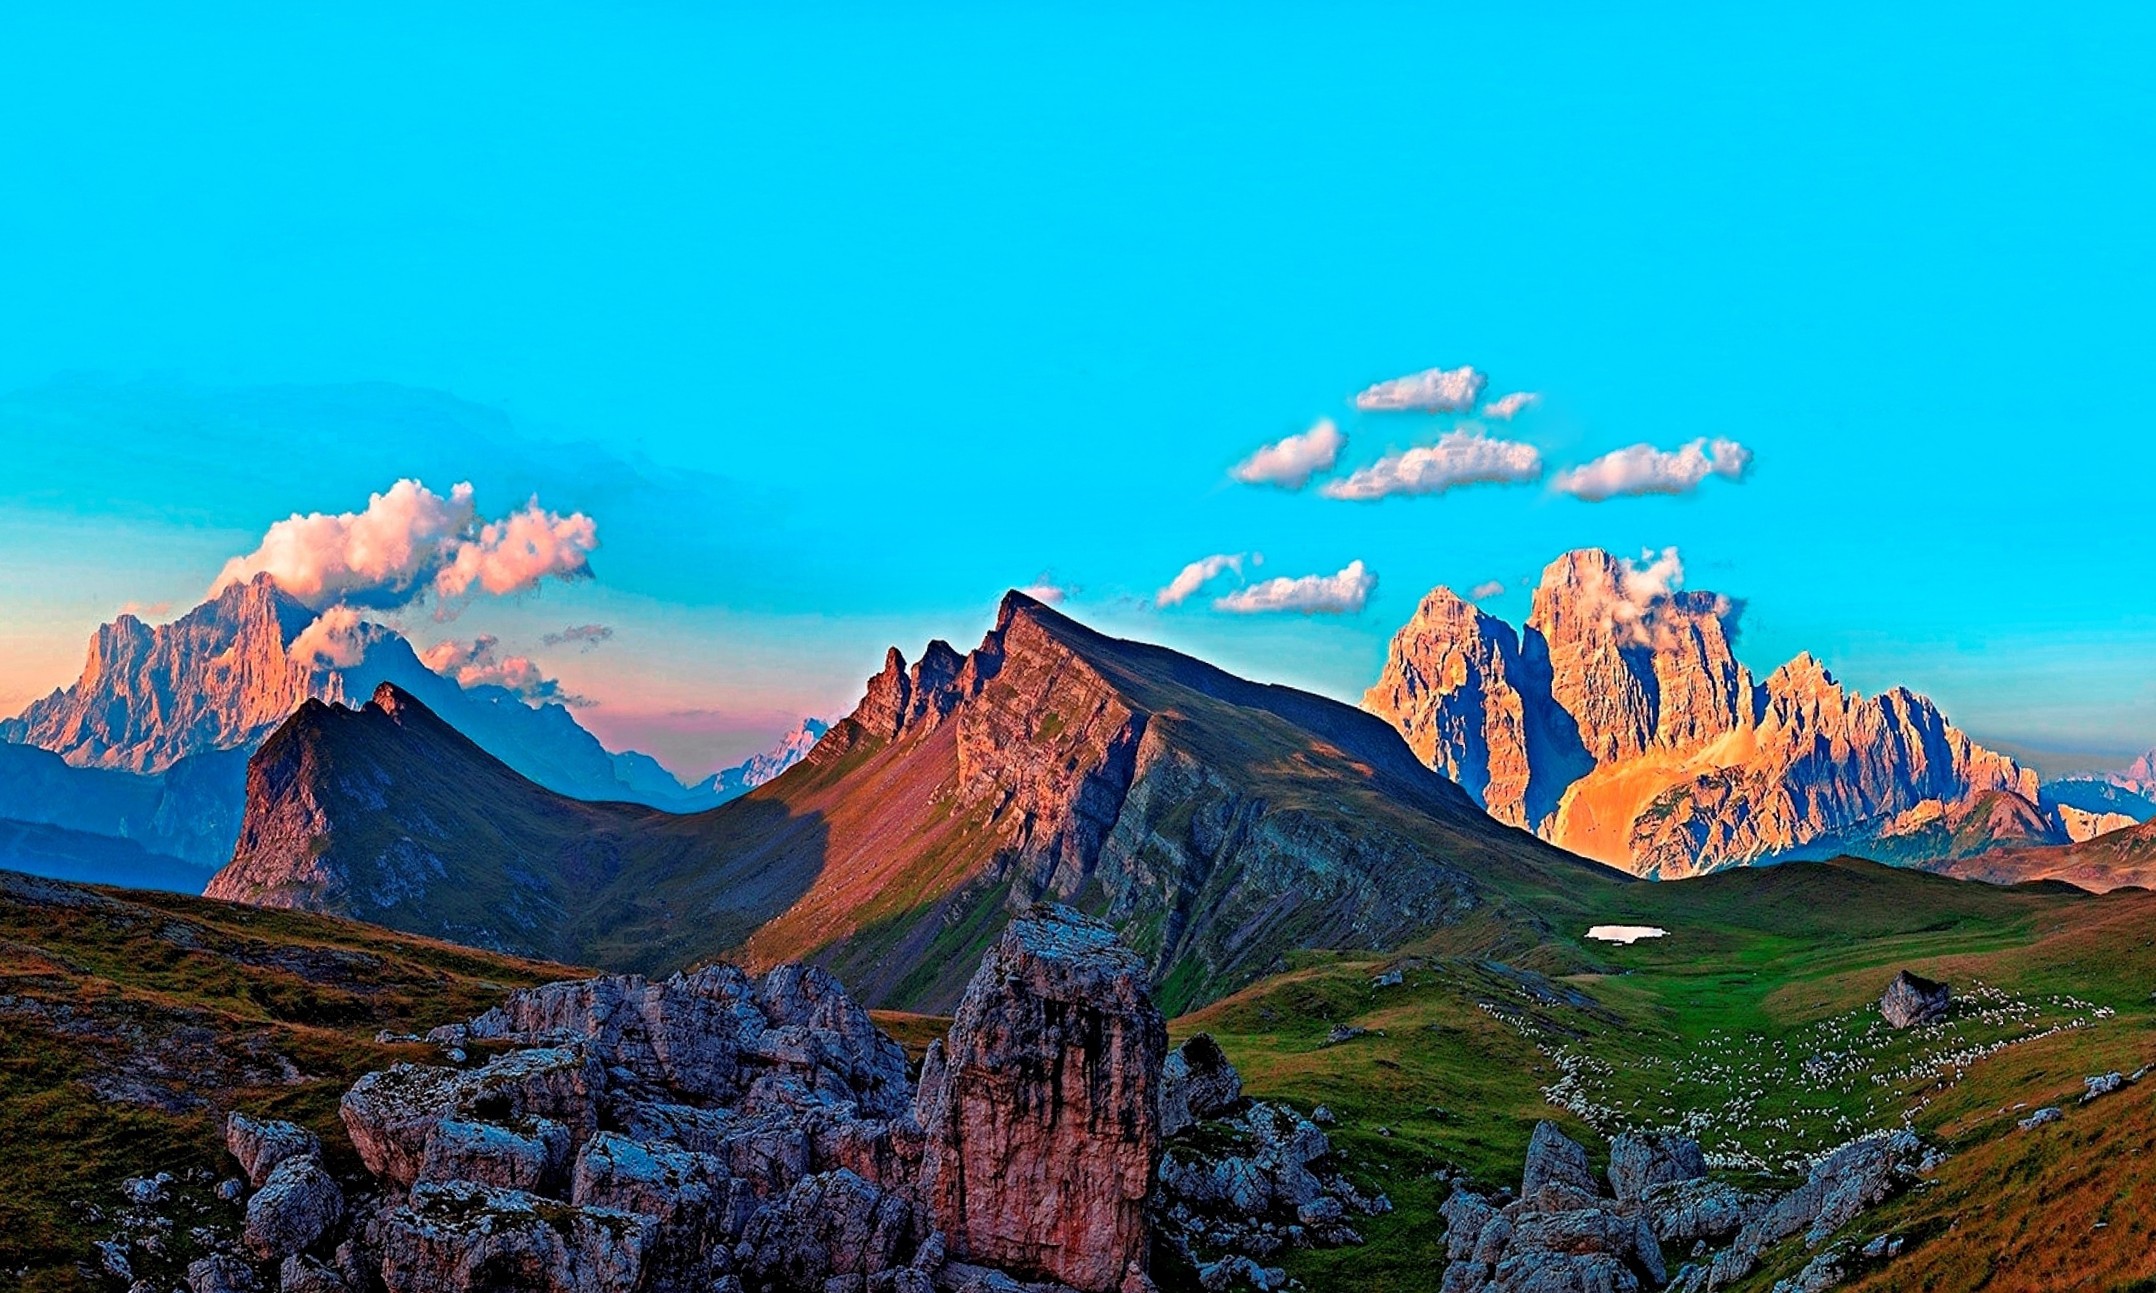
[(1620, 724)]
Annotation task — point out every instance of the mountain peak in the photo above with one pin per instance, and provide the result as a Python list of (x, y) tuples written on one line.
[(1623, 727)]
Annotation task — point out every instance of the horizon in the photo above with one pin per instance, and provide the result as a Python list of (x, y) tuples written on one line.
[(830, 327)]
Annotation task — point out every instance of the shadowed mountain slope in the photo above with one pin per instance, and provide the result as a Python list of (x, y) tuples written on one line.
[(1219, 823), (389, 814)]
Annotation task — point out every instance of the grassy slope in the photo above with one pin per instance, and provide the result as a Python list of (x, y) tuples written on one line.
[(131, 1021), (1763, 970)]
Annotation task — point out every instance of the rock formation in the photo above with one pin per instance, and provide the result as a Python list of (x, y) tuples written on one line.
[(718, 1132), (1618, 723), (1563, 1232), (1041, 1110), (732, 783), (1912, 999)]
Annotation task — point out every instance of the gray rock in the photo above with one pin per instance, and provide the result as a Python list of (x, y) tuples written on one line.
[(1197, 1082), (1641, 1161), (300, 1274), (2049, 1113), (462, 1237), (221, 1274), (1912, 999), (829, 1224), (297, 1205), (461, 1150), (231, 1190), (1554, 1158), (2102, 1084), (260, 1145)]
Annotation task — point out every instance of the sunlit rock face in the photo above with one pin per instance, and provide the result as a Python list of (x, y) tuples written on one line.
[(1618, 723)]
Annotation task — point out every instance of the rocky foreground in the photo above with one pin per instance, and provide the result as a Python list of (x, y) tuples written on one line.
[(717, 1132)]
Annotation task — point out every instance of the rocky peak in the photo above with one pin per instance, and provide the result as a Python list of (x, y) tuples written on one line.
[(1623, 727)]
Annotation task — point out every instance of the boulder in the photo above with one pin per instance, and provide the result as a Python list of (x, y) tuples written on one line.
[(1041, 1109), (463, 1237), (463, 1150), (2049, 1113), (301, 1274), (831, 1225), (261, 1144), (297, 1205), (391, 1113), (1640, 1161), (1912, 999), (1197, 1082), (221, 1274), (1554, 1158)]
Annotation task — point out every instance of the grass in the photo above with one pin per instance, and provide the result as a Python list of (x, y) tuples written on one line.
[(130, 1022), (1753, 1024)]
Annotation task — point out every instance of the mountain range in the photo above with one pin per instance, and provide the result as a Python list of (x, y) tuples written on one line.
[(1220, 824), (150, 743), (1617, 722)]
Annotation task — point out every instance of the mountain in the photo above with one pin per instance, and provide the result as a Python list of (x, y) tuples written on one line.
[(2114, 859), (155, 732), (1618, 723), (1219, 823), (734, 782), (2098, 797)]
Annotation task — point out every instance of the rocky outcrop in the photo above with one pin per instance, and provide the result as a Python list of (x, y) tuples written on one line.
[(1197, 1082), (1252, 1185), (1563, 1232), (1618, 723), (1041, 1109), (715, 1130), (1912, 999)]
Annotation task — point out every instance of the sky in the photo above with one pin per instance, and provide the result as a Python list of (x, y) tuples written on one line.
[(835, 322)]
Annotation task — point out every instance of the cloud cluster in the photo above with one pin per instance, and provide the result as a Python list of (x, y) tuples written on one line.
[(410, 541), (584, 636), (1197, 575), (1646, 604), (1046, 590), (1502, 408), (1344, 593), (479, 663), (1644, 469), (1435, 390), (1462, 457), (335, 639), (1290, 463), (1487, 588)]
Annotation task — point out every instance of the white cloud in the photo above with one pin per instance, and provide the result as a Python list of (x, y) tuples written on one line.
[(1463, 457), (1046, 591), (478, 663), (1643, 601), (1197, 575), (1488, 588), (516, 552), (1644, 469), (1435, 390), (334, 639), (1502, 408), (1338, 594), (410, 540), (1289, 463)]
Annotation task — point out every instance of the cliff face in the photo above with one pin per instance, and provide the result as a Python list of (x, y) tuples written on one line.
[(215, 678), (1646, 744)]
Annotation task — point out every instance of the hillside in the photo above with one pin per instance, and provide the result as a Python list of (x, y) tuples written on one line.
[(131, 1022), (2115, 859), (389, 814), (1219, 823), (1753, 1026)]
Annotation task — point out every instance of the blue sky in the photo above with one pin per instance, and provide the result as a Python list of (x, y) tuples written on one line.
[(840, 321)]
